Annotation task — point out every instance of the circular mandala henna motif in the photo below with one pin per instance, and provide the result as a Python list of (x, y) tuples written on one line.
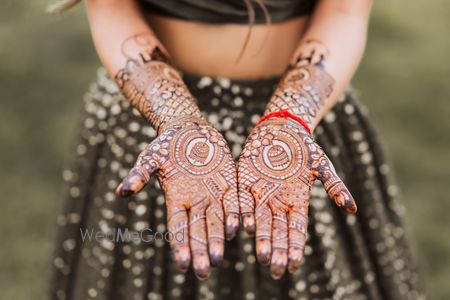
[(195, 154), (199, 152), (277, 157), (281, 159)]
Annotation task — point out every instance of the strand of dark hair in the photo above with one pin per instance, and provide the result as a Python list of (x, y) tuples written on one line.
[(251, 22)]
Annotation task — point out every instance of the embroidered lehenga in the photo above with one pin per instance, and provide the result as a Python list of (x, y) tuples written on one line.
[(362, 256)]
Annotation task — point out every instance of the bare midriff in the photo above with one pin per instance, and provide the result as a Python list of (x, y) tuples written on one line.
[(213, 49)]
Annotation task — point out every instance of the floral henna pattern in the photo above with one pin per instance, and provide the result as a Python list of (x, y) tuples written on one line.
[(191, 159), (279, 163), (302, 91), (276, 170), (198, 175), (153, 86)]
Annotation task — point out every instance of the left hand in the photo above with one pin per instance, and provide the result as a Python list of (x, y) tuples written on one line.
[(277, 167)]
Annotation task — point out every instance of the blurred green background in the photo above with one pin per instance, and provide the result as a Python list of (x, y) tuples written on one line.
[(47, 63)]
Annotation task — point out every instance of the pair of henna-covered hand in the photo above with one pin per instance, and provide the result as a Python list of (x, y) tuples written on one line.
[(205, 193)]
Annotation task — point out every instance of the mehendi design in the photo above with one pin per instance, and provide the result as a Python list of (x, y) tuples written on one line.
[(278, 165), (191, 159), (302, 91), (153, 86), (311, 52)]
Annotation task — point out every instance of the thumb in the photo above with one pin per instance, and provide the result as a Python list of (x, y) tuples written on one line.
[(334, 186), (148, 162)]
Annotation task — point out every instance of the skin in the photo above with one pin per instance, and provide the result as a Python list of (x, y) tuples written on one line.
[(280, 160), (278, 165), (191, 159)]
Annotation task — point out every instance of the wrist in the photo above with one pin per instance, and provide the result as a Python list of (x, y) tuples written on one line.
[(286, 116), (303, 91), (158, 92), (181, 120)]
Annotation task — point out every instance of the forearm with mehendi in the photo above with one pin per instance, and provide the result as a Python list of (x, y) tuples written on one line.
[(154, 87), (191, 159), (303, 91), (280, 160), (137, 60), (325, 60)]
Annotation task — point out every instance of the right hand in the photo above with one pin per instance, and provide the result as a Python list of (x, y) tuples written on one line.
[(311, 52), (198, 176)]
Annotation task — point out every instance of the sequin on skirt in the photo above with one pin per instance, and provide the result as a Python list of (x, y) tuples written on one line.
[(362, 256)]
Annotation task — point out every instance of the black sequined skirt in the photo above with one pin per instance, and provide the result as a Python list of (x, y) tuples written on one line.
[(362, 256)]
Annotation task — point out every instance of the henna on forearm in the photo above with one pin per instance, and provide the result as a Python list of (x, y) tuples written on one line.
[(191, 159), (306, 85), (280, 162), (152, 86), (303, 91)]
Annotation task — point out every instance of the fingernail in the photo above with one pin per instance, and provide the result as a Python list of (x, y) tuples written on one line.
[(277, 272), (201, 266), (276, 276), (295, 257), (121, 192), (263, 249), (249, 224), (292, 268), (232, 225), (278, 264), (117, 191), (216, 260), (216, 253), (182, 258), (350, 206)]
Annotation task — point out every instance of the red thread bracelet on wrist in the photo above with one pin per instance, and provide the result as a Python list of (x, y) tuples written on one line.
[(285, 114)]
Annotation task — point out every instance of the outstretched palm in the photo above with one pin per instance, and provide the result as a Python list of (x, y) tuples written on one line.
[(277, 167), (198, 176)]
